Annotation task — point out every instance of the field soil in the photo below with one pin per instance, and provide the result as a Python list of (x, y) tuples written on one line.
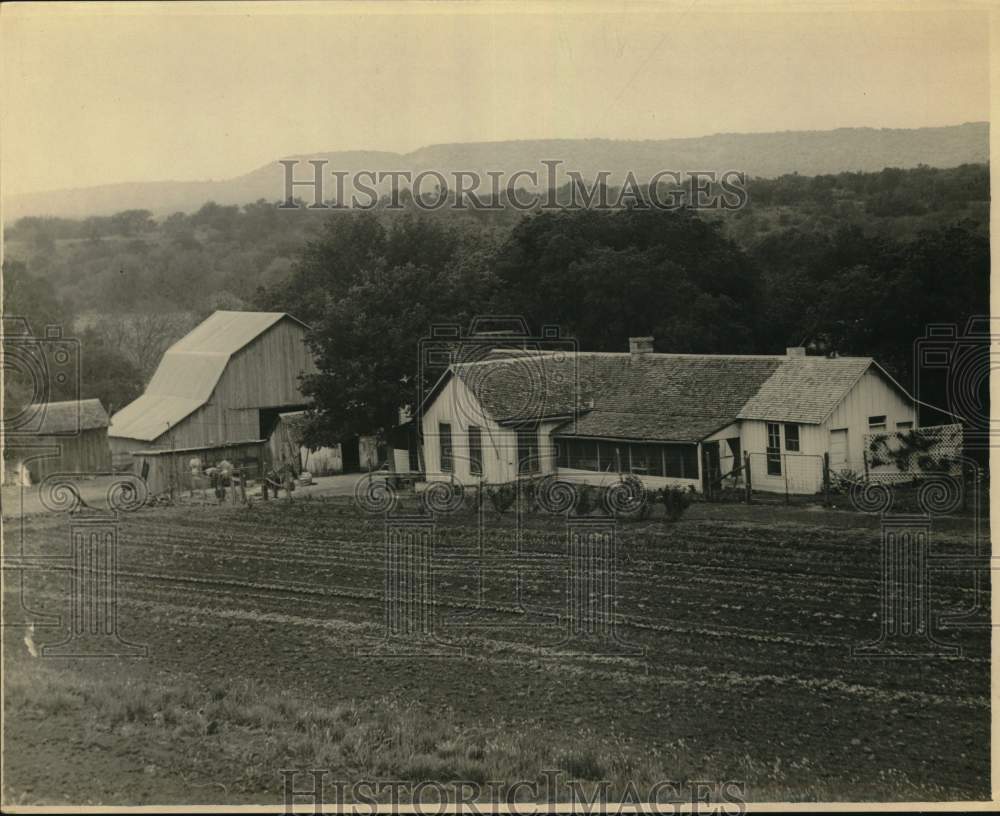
[(266, 648)]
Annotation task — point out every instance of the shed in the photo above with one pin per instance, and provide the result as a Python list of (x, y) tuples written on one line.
[(286, 447), (77, 433)]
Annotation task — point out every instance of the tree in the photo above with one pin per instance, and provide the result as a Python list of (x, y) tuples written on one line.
[(142, 338), (106, 372), (33, 298), (603, 276), (370, 293)]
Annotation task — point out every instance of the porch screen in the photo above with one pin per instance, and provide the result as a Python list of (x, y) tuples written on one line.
[(641, 458)]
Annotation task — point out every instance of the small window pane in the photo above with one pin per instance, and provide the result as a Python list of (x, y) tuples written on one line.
[(444, 439), (791, 437), (680, 461), (475, 451), (773, 449), (612, 457), (584, 454), (773, 464), (646, 460)]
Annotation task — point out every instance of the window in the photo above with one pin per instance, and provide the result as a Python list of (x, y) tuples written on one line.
[(527, 450), (588, 459), (475, 450), (904, 426), (791, 437), (876, 423), (444, 439), (580, 454), (680, 461), (612, 457), (773, 449), (646, 460)]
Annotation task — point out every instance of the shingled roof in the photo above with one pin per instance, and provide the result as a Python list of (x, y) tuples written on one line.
[(806, 389), (68, 418), (661, 397)]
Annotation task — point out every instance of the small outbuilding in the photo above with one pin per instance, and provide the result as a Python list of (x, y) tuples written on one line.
[(71, 437)]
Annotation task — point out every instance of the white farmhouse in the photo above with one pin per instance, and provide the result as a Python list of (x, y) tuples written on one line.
[(678, 419)]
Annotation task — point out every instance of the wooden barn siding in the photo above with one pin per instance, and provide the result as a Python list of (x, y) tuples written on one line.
[(175, 468), (122, 449), (870, 397), (264, 374), (89, 452), (282, 447)]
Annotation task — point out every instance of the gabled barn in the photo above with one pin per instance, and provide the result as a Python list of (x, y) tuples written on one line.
[(680, 419), (217, 393)]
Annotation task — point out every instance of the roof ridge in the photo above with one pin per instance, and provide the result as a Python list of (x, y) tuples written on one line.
[(661, 354)]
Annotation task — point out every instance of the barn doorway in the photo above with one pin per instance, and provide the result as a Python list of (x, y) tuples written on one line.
[(350, 453), (268, 418)]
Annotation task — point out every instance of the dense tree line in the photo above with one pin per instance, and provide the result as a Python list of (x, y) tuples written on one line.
[(372, 292)]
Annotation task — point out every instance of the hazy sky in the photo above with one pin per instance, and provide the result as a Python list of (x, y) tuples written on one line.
[(96, 95)]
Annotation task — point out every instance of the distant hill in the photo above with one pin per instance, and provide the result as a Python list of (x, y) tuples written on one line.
[(758, 154)]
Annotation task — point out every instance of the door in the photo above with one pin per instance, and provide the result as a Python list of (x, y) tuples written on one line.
[(737, 463), (350, 454), (838, 450), (710, 468)]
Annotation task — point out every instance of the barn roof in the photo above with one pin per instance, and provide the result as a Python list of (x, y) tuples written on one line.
[(68, 418), (662, 397), (189, 371)]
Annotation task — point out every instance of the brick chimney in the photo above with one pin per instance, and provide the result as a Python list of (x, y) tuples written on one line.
[(640, 345), (795, 351)]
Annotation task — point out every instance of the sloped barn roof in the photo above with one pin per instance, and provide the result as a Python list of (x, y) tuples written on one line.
[(189, 371), (68, 418), (662, 397)]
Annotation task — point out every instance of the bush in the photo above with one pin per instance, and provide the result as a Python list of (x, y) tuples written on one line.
[(502, 497), (628, 499), (587, 498), (675, 501)]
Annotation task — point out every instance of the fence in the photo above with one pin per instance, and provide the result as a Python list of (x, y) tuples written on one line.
[(909, 463), (786, 474), (899, 456)]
